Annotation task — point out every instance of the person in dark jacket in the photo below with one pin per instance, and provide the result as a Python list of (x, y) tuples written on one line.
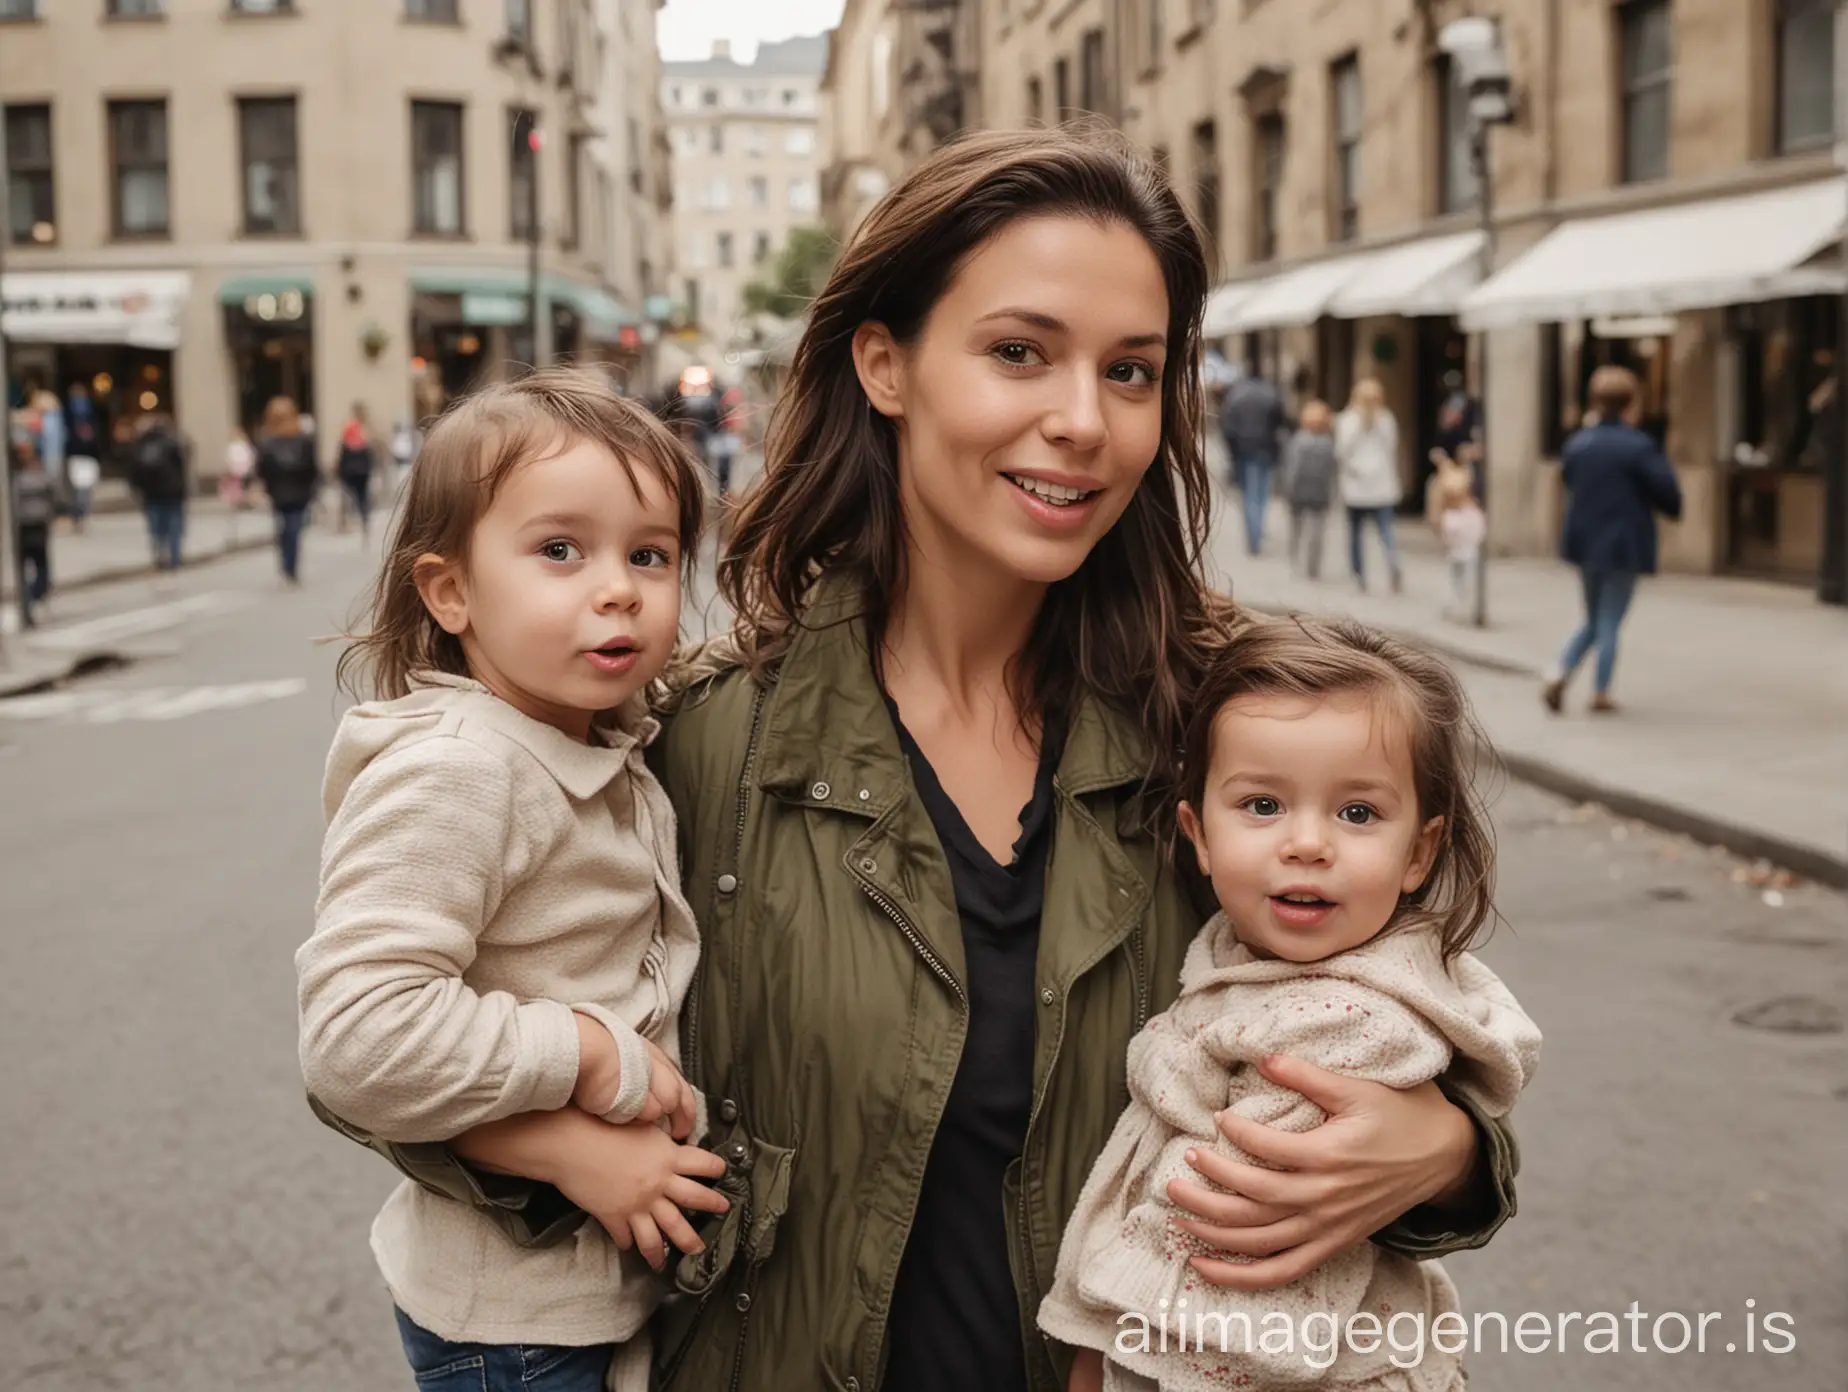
[(1253, 423), (1618, 481), (157, 464), (35, 508), (355, 465), (286, 464), (1308, 485)]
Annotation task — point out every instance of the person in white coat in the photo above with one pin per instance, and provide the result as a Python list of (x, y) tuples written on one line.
[(1367, 448)]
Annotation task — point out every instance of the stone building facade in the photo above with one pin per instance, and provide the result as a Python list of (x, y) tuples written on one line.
[(216, 201)]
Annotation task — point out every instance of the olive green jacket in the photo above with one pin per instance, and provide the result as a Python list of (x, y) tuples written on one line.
[(828, 1017)]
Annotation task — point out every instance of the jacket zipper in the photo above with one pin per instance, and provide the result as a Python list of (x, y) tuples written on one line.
[(744, 1316), (917, 942)]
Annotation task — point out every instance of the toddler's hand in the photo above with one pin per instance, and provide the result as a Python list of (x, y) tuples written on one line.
[(635, 1180), (600, 1080)]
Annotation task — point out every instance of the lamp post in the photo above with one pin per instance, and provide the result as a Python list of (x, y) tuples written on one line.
[(1479, 66), (9, 567), (1833, 587), (535, 302)]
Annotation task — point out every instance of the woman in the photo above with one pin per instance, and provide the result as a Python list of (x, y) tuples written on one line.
[(291, 478), (355, 467), (921, 802), (1367, 444)]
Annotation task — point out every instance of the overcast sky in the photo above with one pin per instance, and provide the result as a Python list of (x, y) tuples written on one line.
[(688, 27)]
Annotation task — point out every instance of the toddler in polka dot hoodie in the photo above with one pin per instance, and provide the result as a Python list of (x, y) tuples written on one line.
[(1330, 803)]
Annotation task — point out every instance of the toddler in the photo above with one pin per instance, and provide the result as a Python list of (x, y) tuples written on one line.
[(500, 926), (1329, 802), (1462, 525), (1309, 473)]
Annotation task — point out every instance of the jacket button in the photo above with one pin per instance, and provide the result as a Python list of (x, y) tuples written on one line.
[(820, 792), (728, 884), (1047, 997), (866, 794), (744, 1301), (728, 1111), (870, 866), (739, 1153)]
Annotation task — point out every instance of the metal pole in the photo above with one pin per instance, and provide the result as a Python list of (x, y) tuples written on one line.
[(1832, 586), (535, 302), (1485, 198), (9, 567)]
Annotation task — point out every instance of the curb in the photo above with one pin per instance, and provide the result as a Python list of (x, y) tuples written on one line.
[(54, 674), (1801, 858), (138, 570)]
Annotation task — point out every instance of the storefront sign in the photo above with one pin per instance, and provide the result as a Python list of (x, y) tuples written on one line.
[(141, 309)]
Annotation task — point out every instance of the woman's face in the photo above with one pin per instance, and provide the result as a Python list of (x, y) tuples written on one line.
[(1030, 406)]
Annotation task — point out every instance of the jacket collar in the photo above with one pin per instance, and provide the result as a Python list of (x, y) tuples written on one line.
[(828, 738), (617, 737)]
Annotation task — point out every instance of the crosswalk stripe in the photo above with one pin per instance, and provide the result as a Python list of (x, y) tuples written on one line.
[(135, 623), (160, 703)]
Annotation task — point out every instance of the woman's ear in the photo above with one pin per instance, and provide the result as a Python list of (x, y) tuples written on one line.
[(881, 367), (1196, 833), (1424, 853), (441, 587)]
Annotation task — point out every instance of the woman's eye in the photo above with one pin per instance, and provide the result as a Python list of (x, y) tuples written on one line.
[(1358, 814), (1017, 354), (1262, 806), (561, 551), (1135, 374), (652, 556)]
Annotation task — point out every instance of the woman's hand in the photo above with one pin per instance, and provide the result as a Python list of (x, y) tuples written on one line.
[(633, 1179), (1380, 1153)]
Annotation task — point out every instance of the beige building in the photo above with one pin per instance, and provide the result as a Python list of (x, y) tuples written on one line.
[(746, 170), (1665, 197), (215, 201)]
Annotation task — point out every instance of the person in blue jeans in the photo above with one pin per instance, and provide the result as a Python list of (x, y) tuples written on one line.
[(159, 474), (287, 464), (1618, 482), (1253, 424)]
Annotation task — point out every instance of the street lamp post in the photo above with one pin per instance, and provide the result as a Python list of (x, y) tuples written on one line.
[(535, 302), (1480, 66), (9, 567)]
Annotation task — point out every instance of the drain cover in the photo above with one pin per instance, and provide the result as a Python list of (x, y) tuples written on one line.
[(1791, 1015)]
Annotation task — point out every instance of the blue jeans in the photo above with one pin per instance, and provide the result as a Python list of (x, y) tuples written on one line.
[(1607, 600), (289, 524), (1381, 517), (441, 1366), (1254, 481), (167, 531)]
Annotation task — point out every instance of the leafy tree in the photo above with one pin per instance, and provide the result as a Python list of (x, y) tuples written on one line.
[(797, 274)]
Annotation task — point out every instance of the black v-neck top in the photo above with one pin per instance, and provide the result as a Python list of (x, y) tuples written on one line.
[(956, 1323)]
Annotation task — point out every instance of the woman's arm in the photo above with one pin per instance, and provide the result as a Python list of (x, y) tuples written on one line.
[(1382, 1155)]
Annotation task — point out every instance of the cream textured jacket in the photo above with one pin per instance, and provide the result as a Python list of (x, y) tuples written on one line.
[(1390, 1011), (483, 875)]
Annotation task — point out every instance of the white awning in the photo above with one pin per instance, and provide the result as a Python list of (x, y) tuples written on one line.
[(142, 309), (1430, 276), (1298, 296), (1222, 309), (1737, 250)]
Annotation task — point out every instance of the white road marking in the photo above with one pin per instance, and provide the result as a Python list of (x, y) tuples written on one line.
[(136, 623), (111, 707)]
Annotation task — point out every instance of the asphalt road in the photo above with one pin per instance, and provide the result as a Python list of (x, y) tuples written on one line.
[(174, 1218)]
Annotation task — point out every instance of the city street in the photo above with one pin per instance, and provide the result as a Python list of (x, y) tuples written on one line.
[(176, 1219)]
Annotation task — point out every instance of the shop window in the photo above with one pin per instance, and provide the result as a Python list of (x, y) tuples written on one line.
[(1270, 137), (1647, 41), (1346, 130), (267, 138), (436, 168), (31, 205), (1805, 74), (138, 152)]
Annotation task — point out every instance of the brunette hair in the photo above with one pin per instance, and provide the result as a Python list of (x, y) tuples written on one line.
[(466, 458), (1613, 390), (1130, 627), (281, 417), (1302, 656)]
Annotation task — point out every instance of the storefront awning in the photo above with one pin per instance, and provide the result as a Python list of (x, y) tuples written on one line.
[(1429, 276), (1298, 296), (603, 315), (1222, 309), (141, 309), (240, 288), (1737, 250), (489, 294)]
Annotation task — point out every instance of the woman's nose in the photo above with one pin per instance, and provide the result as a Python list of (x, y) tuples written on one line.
[(1079, 421)]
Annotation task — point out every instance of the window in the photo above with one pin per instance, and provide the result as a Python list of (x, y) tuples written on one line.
[(31, 211), (520, 21), (138, 149), (1646, 37), (725, 249), (1269, 136), (1148, 34), (18, 9), (1344, 203), (718, 195), (1200, 13), (1553, 405), (691, 300), (635, 159), (801, 195), (676, 95), (1457, 184), (1062, 88), (799, 140), (709, 96), (715, 138), (259, 7), (686, 140), (574, 191), (1206, 188), (1805, 74), (266, 137), (756, 97), (754, 140), (1036, 100), (436, 168), (760, 247), (522, 175), (1093, 87), (792, 98), (434, 11), (760, 191), (133, 9)]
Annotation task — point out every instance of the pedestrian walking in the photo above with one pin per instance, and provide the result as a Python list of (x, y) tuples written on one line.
[(405, 442), (35, 509), (928, 777), (52, 436), (291, 478), (1462, 525), (1253, 424), (355, 465), (1367, 447), (1308, 485), (727, 437), (83, 465), (1618, 481), (240, 468), (159, 476), (500, 913), (1370, 919)]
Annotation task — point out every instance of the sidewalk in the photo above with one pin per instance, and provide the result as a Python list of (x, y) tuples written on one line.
[(1734, 725)]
